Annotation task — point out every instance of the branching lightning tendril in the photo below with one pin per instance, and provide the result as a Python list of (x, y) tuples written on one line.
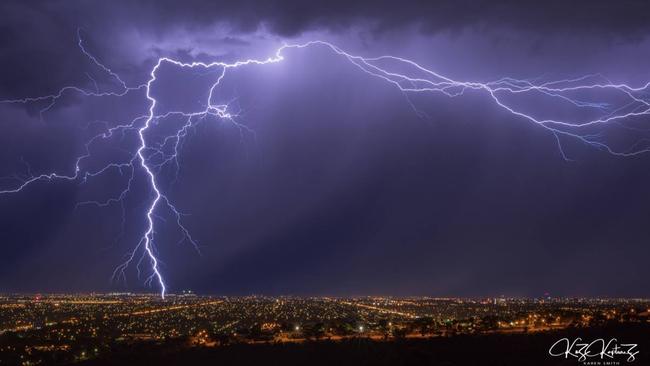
[(150, 158)]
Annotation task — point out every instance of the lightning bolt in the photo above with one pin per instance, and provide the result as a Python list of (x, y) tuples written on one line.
[(589, 93)]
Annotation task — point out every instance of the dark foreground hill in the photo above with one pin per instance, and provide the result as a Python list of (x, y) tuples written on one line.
[(494, 349)]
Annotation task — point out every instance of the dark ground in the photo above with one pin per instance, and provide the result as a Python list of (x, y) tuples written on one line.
[(496, 349)]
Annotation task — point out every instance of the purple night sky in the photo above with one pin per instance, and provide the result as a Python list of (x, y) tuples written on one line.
[(339, 183)]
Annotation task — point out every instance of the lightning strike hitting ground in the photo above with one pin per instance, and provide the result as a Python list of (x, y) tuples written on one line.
[(590, 92)]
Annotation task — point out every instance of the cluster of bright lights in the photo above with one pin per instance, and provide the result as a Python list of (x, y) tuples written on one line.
[(587, 93)]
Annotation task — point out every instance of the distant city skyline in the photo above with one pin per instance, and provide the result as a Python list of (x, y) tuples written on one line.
[(55, 329)]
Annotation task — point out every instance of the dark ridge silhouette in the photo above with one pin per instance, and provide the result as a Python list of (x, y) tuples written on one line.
[(495, 349)]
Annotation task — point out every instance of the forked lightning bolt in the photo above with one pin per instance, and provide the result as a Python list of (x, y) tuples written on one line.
[(592, 93)]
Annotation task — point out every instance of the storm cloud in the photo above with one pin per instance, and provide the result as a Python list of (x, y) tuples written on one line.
[(342, 188)]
